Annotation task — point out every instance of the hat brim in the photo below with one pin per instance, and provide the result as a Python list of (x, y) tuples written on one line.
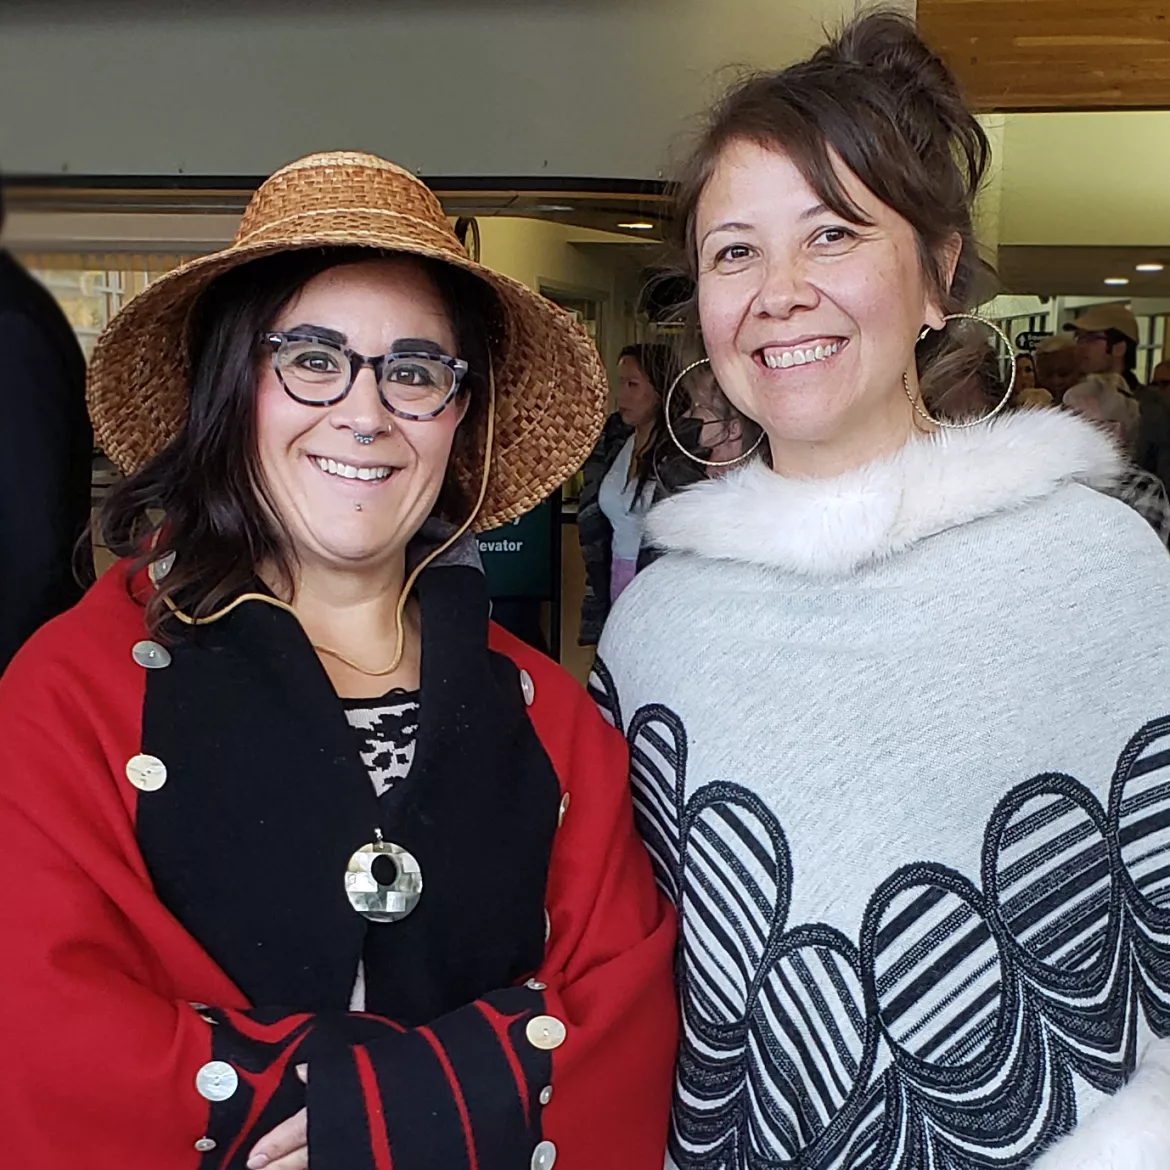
[(551, 388)]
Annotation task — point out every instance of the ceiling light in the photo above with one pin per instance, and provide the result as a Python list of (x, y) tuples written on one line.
[(1153, 266), (551, 208), (639, 225), (1117, 280)]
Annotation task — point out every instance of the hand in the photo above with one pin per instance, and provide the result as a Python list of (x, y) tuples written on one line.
[(287, 1146)]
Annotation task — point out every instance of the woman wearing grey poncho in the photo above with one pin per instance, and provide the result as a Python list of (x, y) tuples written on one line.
[(898, 696)]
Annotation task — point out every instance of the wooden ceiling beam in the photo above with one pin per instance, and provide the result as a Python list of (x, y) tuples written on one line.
[(1054, 54)]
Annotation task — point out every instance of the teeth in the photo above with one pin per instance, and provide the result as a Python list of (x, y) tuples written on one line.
[(348, 471), (800, 357)]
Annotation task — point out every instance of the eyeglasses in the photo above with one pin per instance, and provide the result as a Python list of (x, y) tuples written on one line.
[(314, 372)]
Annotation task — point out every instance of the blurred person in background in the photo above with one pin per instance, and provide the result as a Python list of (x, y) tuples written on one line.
[(1107, 343), (1056, 365), (914, 829), (1106, 338), (619, 483), (1160, 381), (974, 390), (1026, 391), (1102, 399), (46, 452), (720, 435)]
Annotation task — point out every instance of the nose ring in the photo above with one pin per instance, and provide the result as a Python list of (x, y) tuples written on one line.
[(365, 440)]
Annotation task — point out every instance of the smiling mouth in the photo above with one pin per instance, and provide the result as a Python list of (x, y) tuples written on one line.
[(351, 471), (782, 357)]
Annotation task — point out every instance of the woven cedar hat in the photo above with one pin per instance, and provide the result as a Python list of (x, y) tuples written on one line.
[(551, 388)]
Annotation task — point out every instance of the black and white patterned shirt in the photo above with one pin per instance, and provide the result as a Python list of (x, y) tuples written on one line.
[(1146, 495), (387, 730)]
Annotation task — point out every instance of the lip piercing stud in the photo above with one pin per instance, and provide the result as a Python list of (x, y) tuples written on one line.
[(365, 440)]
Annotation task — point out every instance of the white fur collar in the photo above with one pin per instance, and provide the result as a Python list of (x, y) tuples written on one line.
[(827, 527)]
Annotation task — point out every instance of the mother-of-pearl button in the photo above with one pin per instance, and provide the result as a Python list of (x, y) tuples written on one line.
[(535, 985), (160, 568), (205, 1145), (546, 1094), (528, 687), (563, 809), (546, 1032), (151, 655), (217, 1080), (146, 773), (544, 1156)]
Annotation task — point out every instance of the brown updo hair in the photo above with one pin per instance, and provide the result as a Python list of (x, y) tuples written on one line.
[(879, 99)]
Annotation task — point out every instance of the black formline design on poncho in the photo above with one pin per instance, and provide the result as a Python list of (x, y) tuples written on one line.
[(949, 1033)]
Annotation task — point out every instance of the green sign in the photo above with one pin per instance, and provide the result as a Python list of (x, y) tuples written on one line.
[(518, 557)]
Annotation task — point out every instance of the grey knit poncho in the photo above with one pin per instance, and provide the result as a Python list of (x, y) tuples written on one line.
[(901, 753)]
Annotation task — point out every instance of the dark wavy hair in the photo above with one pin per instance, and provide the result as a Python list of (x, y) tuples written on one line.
[(884, 104), (657, 363), (203, 497)]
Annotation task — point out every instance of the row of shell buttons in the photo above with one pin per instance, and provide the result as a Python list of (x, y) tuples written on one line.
[(545, 1154), (148, 773), (215, 1081)]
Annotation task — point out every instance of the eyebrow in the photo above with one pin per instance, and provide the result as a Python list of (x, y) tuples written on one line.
[(416, 345), (725, 227), (320, 332), (402, 345), (732, 226)]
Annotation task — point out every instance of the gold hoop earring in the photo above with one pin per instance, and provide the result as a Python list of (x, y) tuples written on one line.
[(674, 438), (916, 399)]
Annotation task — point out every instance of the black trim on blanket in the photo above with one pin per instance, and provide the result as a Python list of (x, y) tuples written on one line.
[(461, 1093), (266, 799)]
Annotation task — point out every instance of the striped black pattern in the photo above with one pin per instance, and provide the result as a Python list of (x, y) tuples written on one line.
[(937, 975), (1145, 824), (966, 1058)]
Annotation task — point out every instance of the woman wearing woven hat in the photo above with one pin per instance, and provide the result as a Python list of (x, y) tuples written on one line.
[(291, 871), (915, 830)]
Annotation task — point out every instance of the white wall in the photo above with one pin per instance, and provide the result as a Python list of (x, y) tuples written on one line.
[(1086, 178), (549, 256), (446, 87)]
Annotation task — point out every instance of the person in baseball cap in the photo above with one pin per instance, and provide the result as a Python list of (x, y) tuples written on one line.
[(1107, 343), (1107, 339)]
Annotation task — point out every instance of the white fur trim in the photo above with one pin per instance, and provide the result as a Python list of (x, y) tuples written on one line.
[(1130, 1131), (827, 527)]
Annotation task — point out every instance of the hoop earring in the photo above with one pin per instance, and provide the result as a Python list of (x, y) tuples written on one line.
[(915, 400), (674, 438)]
